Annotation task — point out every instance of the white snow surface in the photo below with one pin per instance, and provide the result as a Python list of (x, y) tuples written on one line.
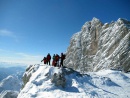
[(10, 83), (102, 84)]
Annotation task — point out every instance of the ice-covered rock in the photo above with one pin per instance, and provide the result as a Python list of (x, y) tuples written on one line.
[(100, 46)]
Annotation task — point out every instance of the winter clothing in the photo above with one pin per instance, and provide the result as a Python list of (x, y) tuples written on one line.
[(62, 59), (48, 58), (45, 60), (57, 57), (54, 61)]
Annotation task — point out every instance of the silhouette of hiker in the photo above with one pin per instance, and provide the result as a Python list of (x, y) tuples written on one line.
[(48, 58), (62, 59), (45, 60)]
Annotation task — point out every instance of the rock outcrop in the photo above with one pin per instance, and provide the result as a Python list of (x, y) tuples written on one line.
[(58, 79), (56, 75), (100, 46), (29, 70)]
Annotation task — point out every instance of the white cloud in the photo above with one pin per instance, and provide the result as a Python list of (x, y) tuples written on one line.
[(2, 50), (7, 33), (28, 56), (23, 58)]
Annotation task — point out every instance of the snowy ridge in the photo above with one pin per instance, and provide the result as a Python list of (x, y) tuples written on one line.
[(100, 46), (102, 84)]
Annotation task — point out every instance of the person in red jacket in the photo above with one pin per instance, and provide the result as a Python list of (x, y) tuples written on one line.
[(45, 60), (57, 57), (48, 58), (54, 61)]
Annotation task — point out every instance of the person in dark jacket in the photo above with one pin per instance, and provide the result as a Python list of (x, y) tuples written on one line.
[(45, 60), (48, 58), (62, 59)]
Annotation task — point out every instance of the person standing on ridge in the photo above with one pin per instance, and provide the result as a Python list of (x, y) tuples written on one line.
[(57, 59), (62, 59), (45, 60), (48, 58), (54, 61)]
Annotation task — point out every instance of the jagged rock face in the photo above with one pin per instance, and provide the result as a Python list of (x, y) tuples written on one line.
[(29, 70), (100, 46)]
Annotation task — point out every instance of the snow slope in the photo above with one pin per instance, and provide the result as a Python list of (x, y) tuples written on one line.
[(10, 83), (102, 84)]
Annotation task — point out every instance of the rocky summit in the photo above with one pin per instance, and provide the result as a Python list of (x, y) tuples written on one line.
[(100, 46), (53, 82)]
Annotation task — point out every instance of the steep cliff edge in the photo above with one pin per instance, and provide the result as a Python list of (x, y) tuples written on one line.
[(100, 46)]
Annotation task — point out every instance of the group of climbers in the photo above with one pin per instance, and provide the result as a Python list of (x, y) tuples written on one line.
[(56, 59)]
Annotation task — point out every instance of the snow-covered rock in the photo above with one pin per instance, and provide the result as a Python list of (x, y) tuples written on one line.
[(100, 46), (10, 83), (58, 79), (9, 94), (29, 70), (102, 84)]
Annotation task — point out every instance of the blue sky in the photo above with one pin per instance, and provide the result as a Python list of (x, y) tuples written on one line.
[(30, 29)]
